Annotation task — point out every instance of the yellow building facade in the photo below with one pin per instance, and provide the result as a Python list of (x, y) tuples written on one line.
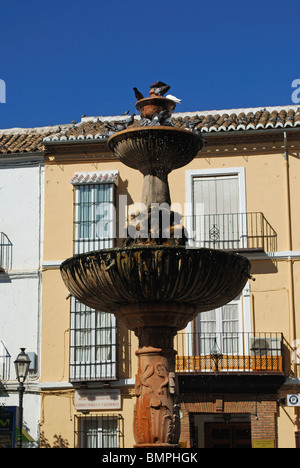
[(237, 366)]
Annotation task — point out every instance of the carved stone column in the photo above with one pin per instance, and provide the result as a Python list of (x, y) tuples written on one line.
[(156, 415)]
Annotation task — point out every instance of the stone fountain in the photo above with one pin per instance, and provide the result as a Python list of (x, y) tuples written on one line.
[(155, 284)]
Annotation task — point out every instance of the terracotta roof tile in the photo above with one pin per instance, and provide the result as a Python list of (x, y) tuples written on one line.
[(25, 140), (214, 121), (93, 128)]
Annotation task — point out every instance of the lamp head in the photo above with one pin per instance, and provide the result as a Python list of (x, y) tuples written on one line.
[(22, 366)]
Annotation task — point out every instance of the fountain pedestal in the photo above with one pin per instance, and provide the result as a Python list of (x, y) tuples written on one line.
[(156, 414)]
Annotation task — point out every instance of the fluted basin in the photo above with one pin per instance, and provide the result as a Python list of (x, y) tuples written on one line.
[(121, 280), (155, 149)]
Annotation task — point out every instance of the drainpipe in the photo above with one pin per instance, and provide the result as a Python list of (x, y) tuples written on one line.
[(286, 161), (290, 248)]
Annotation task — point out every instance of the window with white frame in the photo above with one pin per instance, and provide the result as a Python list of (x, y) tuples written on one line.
[(5, 253), (94, 213), (93, 345), (220, 330), (93, 340), (216, 216), (216, 204), (105, 431)]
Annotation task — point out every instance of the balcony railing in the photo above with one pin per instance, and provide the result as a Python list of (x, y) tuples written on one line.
[(5, 252), (231, 231), (229, 352), (4, 362)]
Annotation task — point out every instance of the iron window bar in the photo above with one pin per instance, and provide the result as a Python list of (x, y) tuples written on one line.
[(94, 217), (93, 343), (99, 431), (5, 359)]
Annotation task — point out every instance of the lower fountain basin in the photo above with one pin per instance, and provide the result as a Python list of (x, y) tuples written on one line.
[(145, 285)]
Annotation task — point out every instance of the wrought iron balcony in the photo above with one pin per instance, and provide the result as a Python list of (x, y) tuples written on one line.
[(229, 352), (231, 231), (5, 253), (4, 362)]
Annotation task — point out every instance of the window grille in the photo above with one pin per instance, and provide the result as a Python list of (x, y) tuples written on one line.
[(93, 345), (95, 220), (105, 431)]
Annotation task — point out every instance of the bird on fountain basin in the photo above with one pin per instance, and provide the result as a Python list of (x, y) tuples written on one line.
[(158, 88)]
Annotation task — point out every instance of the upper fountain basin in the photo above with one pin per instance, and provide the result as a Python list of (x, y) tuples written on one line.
[(155, 277), (155, 149), (153, 105)]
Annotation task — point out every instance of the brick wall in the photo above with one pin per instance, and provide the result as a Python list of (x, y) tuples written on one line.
[(261, 408), (264, 424)]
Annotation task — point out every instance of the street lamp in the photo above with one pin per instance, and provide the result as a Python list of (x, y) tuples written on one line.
[(216, 355), (22, 367)]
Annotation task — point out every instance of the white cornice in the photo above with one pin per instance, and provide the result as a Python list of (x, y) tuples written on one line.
[(68, 385)]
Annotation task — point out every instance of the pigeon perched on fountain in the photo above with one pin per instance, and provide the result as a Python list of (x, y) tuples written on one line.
[(162, 118), (198, 131), (159, 88), (191, 124), (113, 127), (173, 98), (123, 124), (110, 129), (138, 94)]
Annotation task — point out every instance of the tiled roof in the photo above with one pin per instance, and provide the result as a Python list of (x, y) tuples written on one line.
[(26, 140), (93, 128), (210, 121)]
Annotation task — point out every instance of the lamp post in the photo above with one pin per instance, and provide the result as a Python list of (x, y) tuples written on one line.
[(22, 367)]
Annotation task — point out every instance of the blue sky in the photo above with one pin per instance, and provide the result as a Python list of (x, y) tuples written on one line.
[(62, 59)]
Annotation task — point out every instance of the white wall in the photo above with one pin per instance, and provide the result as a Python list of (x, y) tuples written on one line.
[(19, 315), (21, 219), (20, 213)]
